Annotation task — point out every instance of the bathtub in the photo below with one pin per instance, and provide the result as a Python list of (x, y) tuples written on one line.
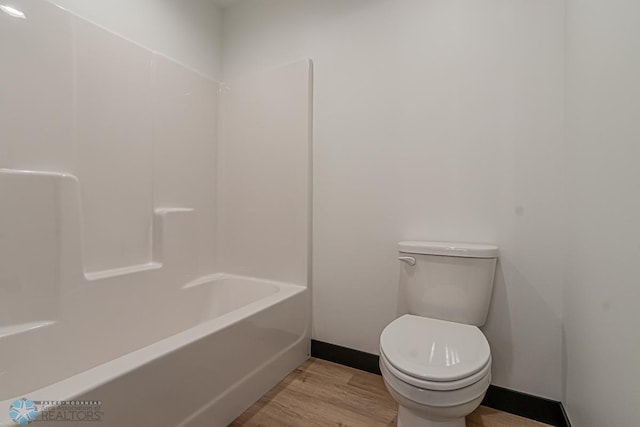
[(197, 354), (155, 344)]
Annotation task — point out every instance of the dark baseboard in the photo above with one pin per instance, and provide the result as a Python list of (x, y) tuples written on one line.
[(515, 402), (346, 356), (526, 405)]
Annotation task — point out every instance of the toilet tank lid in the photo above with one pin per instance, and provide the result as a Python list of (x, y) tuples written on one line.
[(467, 250)]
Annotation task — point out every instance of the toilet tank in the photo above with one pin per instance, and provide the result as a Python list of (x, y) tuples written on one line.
[(448, 281)]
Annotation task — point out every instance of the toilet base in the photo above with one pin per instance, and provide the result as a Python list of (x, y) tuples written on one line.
[(409, 418)]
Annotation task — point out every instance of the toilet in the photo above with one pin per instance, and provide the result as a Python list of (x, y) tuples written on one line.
[(435, 361)]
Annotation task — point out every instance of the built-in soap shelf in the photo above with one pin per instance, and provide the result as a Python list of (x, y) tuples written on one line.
[(172, 226), (158, 250), (6, 331), (122, 271), (32, 173)]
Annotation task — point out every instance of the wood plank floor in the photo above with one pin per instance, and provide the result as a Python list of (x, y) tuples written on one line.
[(321, 393)]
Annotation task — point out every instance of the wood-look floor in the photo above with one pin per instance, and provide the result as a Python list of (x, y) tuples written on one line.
[(321, 393)]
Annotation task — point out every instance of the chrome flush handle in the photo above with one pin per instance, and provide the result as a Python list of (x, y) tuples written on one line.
[(408, 259)]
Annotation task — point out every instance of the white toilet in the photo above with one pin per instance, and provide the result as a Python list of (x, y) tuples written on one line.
[(435, 361)]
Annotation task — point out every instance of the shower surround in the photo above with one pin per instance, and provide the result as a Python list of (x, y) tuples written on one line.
[(154, 241)]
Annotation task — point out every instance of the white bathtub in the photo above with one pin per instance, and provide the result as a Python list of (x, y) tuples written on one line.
[(191, 355)]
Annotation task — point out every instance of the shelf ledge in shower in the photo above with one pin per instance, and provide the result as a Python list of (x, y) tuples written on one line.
[(164, 211), (168, 225), (37, 173), (6, 331), (123, 271)]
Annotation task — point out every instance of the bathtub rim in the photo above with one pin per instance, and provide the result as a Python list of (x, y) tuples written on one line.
[(97, 376)]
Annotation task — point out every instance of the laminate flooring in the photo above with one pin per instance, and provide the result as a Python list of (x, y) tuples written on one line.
[(321, 393)]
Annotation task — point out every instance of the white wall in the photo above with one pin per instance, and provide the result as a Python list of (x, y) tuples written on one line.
[(603, 130), (188, 31), (438, 119)]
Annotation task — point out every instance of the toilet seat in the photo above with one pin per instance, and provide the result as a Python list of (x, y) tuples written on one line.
[(415, 397), (434, 354), (434, 385)]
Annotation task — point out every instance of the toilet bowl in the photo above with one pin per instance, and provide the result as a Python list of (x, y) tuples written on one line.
[(437, 371), (435, 361)]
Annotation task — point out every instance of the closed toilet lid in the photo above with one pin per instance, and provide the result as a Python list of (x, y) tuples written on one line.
[(434, 350)]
